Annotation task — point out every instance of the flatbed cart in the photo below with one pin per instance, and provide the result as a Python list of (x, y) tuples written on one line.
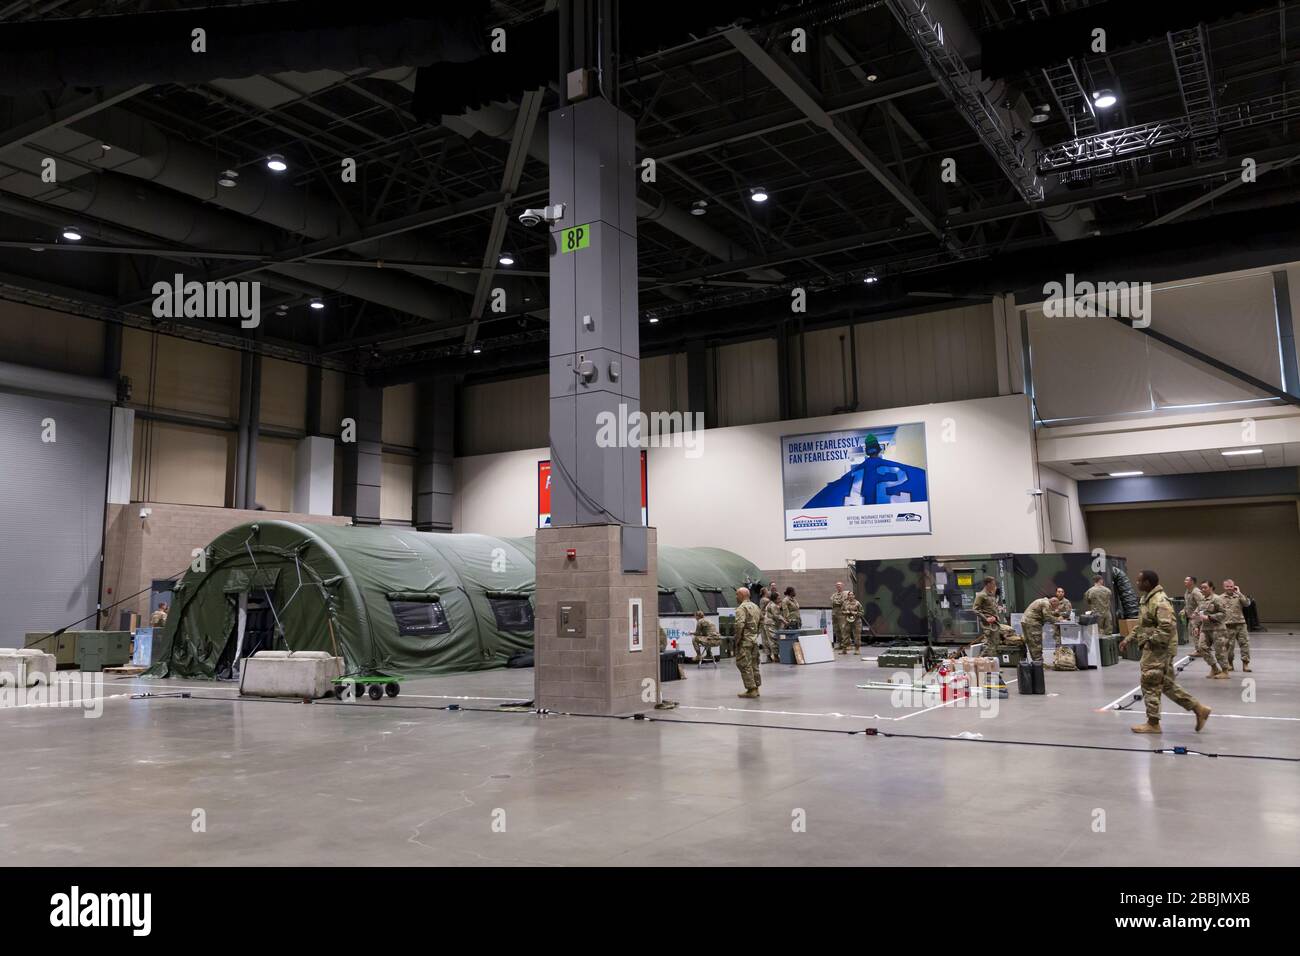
[(376, 685)]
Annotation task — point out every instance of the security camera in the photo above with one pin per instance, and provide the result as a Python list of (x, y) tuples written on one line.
[(531, 217)]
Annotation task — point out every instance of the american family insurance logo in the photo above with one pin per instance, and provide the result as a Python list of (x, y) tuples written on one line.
[(76, 909), (809, 522)]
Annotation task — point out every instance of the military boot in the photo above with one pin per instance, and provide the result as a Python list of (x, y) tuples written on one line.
[(1202, 715), (1150, 727), (1222, 675), (1245, 668), (749, 694)]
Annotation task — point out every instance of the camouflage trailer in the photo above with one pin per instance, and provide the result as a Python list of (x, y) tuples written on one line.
[(893, 598), (931, 597)]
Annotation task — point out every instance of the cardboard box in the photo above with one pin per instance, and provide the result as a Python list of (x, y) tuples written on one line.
[(1126, 625)]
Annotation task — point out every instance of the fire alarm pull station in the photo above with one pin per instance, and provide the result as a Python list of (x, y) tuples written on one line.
[(570, 553), (572, 619)]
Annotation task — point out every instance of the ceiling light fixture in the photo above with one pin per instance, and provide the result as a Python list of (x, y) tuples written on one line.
[(506, 259), (1125, 474), (317, 304), (699, 207), (758, 194), (477, 349), (228, 178), (871, 278), (654, 320), (872, 77), (1104, 99), (275, 162), (1042, 113), (71, 234), (1243, 451)]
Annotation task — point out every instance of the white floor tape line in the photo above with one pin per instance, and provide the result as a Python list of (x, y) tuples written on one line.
[(1218, 716), (1136, 690), (783, 713)]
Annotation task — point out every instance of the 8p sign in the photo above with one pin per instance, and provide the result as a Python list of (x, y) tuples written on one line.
[(579, 237)]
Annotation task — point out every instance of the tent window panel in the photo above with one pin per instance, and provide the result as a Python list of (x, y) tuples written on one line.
[(420, 617), (669, 603), (512, 614), (712, 600)]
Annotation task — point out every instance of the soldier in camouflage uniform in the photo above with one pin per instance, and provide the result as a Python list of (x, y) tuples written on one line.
[(790, 611), (769, 623), (852, 623), (837, 615), (747, 643), (1235, 603), (1038, 614), (986, 612), (663, 641), (1097, 600), (1157, 635), (705, 638), (1192, 598), (1063, 606), (1211, 636)]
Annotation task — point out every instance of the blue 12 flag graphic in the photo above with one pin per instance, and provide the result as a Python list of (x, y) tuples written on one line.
[(857, 482)]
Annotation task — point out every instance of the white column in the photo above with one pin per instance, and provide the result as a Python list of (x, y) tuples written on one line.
[(313, 488)]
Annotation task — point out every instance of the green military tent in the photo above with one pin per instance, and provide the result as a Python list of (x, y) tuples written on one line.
[(388, 599), (383, 598)]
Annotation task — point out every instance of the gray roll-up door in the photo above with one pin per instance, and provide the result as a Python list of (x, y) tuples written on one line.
[(51, 512)]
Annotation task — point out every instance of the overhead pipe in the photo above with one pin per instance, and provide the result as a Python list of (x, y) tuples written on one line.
[(156, 212)]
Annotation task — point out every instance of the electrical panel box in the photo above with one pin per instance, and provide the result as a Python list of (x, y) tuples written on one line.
[(571, 619)]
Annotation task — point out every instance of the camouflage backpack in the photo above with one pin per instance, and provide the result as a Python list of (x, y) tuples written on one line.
[(1064, 660)]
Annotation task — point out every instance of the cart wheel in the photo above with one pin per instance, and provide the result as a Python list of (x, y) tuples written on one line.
[(376, 692), (393, 689), (340, 690)]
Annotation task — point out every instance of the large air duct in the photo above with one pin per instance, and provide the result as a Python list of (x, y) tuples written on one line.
[(150, 211), (237, 41)]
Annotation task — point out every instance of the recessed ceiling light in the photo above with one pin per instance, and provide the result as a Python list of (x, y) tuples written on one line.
[(71, 234), (506, 259), (275, 162), (699, 207), (1104, 99), (872, 77), (871, 278), (105, 147), (758, 194), (228, 178), (477, 349), (317, 304), (1243, 451), (654, 320), (1125, 474)]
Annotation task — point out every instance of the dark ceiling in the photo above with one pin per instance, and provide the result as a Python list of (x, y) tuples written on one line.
[(849, 138)]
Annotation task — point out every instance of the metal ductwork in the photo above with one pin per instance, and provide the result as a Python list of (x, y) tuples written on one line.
[(242, 40), (957, 36), (150, 211), (143, 151)]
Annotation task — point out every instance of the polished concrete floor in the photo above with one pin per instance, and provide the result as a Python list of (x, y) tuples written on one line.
[(1044, 781)]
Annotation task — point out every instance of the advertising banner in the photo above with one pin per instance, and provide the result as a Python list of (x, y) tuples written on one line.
[(855, 483), (544, 493)]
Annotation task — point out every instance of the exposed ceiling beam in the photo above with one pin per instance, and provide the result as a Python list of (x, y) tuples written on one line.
[(786, 78), (67, 113), (1214, 194)]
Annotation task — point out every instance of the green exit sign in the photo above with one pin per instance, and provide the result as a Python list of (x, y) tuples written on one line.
[(579, 237)]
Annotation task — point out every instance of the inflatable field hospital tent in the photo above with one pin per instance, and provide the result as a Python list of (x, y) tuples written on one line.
[(385, 599)]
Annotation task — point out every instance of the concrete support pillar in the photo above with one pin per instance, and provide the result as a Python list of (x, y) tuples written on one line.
[(312, 418), (596, 634), (436, 424), (363, 463), (587, 663), (313, 476)]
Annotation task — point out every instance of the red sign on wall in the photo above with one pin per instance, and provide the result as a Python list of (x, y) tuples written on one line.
[(544, 493)]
